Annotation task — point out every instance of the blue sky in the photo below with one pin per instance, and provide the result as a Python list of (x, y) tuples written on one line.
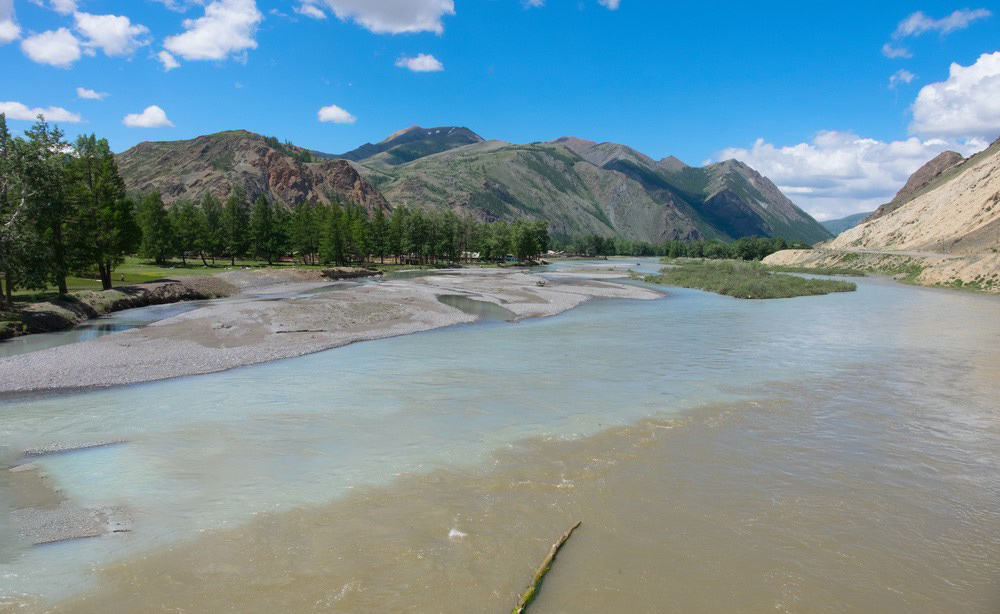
[(804, 92)]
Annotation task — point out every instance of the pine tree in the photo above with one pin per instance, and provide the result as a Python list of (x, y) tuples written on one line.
[(157, 232), (236, 225)]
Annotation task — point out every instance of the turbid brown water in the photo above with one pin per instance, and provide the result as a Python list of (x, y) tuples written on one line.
[(789, 456)]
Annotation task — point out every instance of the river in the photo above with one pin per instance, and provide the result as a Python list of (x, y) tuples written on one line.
[(810, 454)]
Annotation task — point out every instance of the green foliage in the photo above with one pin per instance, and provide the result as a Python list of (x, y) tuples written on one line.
[(235, 233), (818, 270), (267, 231), (748, 280)]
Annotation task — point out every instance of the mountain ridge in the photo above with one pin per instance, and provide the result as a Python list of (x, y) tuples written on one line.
[(577, 186)]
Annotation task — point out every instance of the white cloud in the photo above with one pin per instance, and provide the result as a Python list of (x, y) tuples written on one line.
[(86, 94), (612, 5), (16, 110), (966, 105), (895, 52), (9, 30), (310, 10), (918, 23), (533, 3), (114, 34), (169, 62), (394, 16), (152, 117), (423, 62), (901, 76), (335, 114), (63, 7), (840, 173), (228, 27), (55, 47)]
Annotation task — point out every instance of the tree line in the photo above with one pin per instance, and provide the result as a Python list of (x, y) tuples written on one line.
[(745, 248), (335, 233)]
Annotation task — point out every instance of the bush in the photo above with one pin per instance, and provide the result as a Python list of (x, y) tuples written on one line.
[(745, 280)]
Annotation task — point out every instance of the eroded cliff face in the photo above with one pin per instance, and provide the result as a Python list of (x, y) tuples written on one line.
[(216, 164)]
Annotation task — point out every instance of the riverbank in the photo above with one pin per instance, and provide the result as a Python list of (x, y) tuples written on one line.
[(67, 311), (975, 272), (253, 329)]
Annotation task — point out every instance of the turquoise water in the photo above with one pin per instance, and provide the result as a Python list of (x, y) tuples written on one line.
[(212, 451)]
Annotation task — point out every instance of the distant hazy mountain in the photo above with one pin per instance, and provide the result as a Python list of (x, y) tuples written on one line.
[(845, 223), (946, 207), (577, 186), (217, 162), (412, 143)]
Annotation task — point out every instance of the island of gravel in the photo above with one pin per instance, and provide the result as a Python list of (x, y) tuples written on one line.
[(271, 319)]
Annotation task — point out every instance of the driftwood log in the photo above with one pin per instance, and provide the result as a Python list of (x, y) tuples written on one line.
[(536, 581)]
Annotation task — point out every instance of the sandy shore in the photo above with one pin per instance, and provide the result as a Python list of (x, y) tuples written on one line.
[(252, 329)]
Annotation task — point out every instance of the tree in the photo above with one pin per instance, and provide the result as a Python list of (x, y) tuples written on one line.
[(212, 236), (332, 244), (158, 238), (188, 228), (236, 225), (303, 232), (23, 252), (266, 233), (52, 205), (103, 229), (380, 234)]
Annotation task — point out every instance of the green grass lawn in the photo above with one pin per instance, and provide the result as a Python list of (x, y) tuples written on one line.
[(744, 280)]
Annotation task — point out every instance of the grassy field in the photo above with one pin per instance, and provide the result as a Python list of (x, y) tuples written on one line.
[(744, 280)]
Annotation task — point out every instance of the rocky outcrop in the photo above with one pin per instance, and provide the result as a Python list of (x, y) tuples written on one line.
[(217, 163)]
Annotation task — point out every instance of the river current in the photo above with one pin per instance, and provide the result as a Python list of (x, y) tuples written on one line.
[(809, 454)]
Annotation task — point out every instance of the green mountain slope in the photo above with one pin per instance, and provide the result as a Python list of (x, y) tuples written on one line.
[(411, 144)]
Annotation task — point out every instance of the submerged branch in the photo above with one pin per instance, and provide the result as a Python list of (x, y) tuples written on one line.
[(536, 581)]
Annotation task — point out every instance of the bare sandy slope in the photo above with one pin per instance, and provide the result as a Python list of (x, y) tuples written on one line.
[(960, 216), (252, 330)]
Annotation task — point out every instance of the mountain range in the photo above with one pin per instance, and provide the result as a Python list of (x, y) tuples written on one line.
[(577, 186)]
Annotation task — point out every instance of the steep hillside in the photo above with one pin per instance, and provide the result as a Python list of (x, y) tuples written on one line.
[(955, 212), (919, 181), (412, 143), (497, 180), (730, 197), (216, 163), (845, 223)]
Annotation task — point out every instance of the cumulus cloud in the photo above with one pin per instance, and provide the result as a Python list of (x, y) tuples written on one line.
[(16, 110), (918, 23), (840, 173), (310, 10), (114, 34), (9, 30), (169, 62), (966, 105), (901, 76), (335, 114), (86, 94), (423, 62), (228, 27), (152, 117), (55, 47), (393, 16), (611, 5)]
